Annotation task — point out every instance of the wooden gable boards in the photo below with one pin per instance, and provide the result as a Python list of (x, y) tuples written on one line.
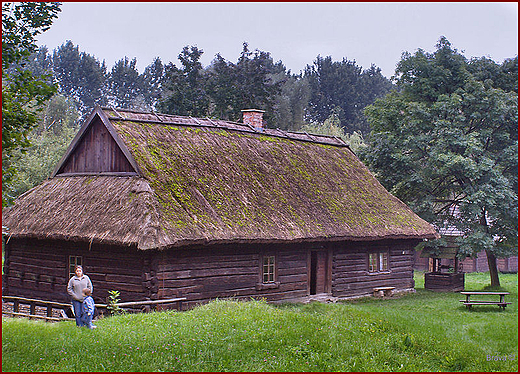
[(97, 149)]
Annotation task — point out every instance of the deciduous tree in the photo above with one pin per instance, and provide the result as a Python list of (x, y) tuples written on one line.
[(22, 93), (449, 141), (80, 76)]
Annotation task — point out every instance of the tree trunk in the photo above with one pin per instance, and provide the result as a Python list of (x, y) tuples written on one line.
[(493, 269)]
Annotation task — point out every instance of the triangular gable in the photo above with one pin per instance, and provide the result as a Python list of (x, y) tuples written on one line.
[(97, 149)]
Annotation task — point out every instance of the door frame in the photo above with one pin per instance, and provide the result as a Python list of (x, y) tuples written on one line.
[(312, 272)]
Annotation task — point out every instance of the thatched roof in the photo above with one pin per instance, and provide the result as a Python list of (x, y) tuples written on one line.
[(202, 181)]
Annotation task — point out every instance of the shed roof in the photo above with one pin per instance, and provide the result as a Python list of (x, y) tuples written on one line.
[(204, 181)]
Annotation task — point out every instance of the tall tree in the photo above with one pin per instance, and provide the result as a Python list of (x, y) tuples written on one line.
[(222, 88), (80, 76), (152, 78), (22, 93), (291, 102), (345, 85), (57, 124), (255, 81), (184, 90), (125, 84), (449, 141)]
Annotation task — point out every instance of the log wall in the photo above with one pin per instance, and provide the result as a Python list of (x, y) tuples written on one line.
[(230, 271), (444, 282), (350, 276), (39, 269)]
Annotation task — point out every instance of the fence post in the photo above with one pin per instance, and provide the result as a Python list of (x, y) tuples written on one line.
[(32, 309)]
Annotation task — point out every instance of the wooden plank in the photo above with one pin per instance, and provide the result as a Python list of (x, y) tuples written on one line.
[(151, 302), (35, 301), (483, 293), (484, 302), (37, 316)]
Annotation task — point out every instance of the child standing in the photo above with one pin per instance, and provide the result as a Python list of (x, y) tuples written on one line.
[(88, 308)]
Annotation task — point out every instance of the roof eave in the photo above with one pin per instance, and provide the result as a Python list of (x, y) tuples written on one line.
[(208, 242)]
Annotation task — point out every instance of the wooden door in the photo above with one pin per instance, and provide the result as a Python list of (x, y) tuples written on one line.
[(319, 277)]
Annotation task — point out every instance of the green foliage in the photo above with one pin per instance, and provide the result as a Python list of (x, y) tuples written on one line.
[(55, 129), (343, 85), (124, 84), (425, 331), (184, 90), (332, 127), (449, 141), (23, 94), (80, 76), (291, 104), (152, 81), (220, 90), (21, 23), (112, 302)]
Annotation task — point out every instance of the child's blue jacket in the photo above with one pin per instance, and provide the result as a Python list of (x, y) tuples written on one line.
[(88, 305)]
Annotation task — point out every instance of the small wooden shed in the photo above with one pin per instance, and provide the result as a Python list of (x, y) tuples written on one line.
[(444, 268), (160, 206)]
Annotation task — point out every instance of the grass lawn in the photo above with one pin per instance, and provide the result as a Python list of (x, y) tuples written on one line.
[(424, 331)]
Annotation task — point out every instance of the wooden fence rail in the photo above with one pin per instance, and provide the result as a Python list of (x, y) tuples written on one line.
[(33, 303), (51, 305)]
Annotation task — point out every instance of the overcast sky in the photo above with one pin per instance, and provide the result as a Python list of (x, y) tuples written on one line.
[(295, 33)]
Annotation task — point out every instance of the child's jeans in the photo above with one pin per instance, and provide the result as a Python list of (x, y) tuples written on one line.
[(87, 320)]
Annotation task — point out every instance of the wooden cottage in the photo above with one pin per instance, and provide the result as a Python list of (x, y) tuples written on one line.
[(160, 206)]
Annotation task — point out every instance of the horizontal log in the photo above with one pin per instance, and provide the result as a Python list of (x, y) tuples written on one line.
[(14, 314), (292, 278), (120, 278), (348, 269), (302, 270), (103, 285), (198, 264), (36, 263), (292, 264), (352, 257), (368, 288), (374, 282), (35, 301), (150, 302)]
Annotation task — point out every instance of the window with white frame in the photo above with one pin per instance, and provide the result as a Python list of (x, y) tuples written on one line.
[(378, 262), (268, 269)]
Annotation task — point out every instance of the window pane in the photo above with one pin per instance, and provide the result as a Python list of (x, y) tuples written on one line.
[(383, 261), (372, 262), (268, 269)]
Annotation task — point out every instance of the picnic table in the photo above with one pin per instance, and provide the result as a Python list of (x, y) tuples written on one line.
[(469, 303)]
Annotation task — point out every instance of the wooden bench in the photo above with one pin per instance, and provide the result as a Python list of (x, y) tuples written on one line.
[(383, 291), (469, 303)]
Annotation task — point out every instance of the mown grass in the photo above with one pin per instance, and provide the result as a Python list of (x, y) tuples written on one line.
[(424, 331)]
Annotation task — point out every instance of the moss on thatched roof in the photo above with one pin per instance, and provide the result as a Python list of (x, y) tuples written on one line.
[(206, 181)]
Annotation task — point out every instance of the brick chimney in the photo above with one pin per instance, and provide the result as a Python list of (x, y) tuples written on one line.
[(253, 117)]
